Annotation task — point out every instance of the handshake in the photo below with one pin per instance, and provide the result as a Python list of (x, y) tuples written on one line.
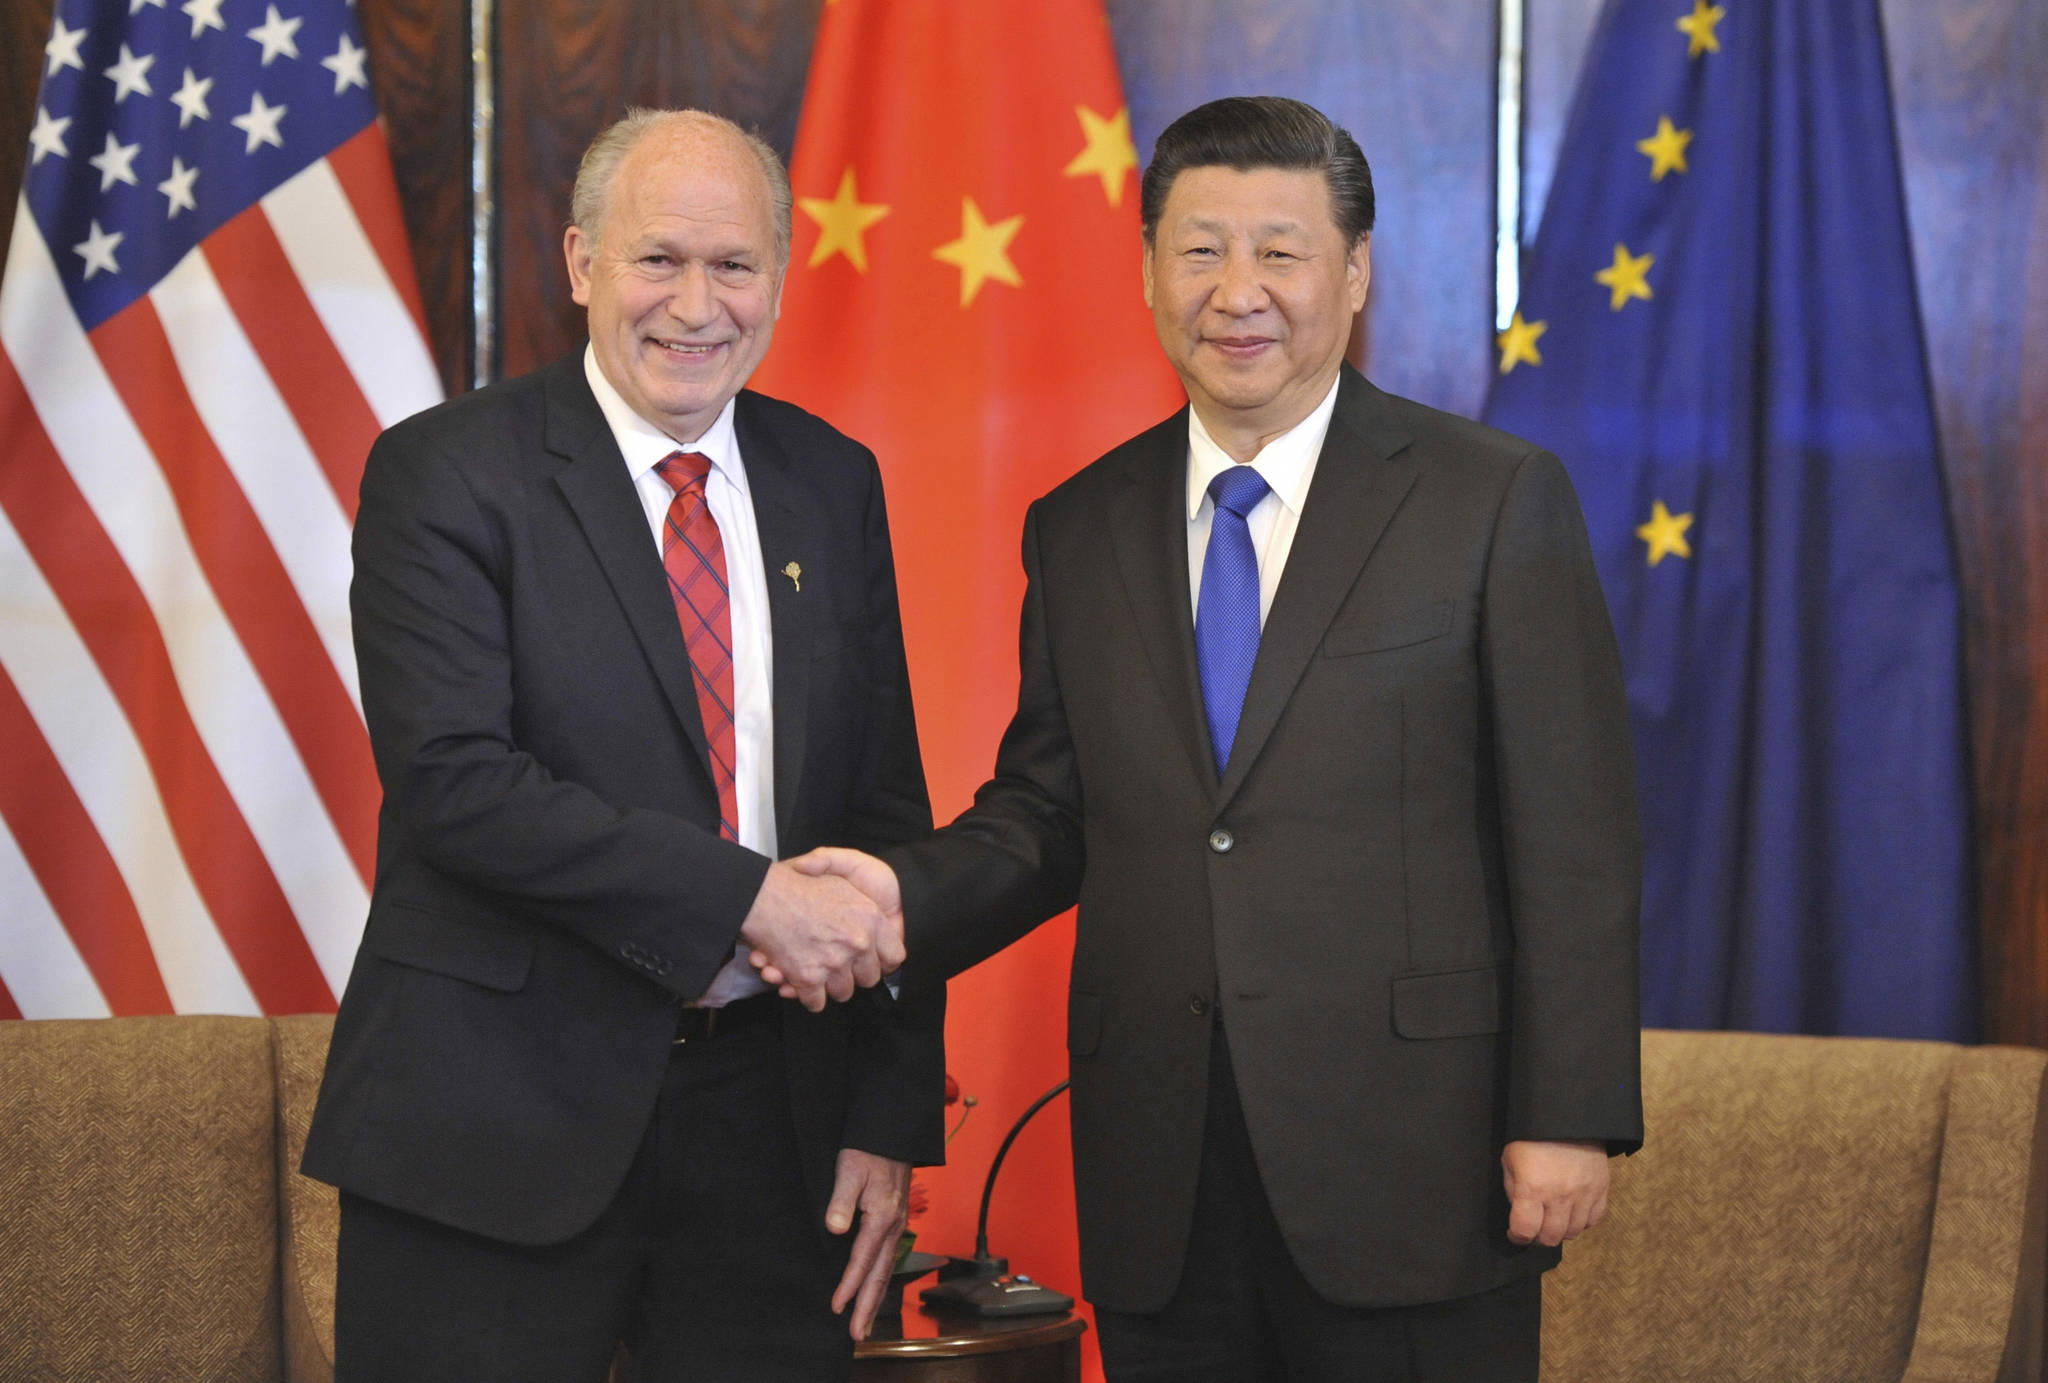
[(824, 923)]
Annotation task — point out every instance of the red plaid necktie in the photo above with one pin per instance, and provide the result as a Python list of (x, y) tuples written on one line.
[(694, 556)]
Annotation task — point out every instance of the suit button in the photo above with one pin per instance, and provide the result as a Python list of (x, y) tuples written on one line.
[(1197, 1005), (1221, 840)]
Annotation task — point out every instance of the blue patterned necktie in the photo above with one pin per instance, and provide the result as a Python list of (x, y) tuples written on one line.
[(1227, 619)]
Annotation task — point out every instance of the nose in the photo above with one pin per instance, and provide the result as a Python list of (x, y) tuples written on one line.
[(691, 301), (1239, 290)]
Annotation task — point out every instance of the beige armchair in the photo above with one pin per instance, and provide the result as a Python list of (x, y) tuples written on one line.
[(1823, 1209), (1805, 1209)]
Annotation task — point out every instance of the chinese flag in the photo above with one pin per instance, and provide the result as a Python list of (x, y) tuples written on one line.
[(964, 297)]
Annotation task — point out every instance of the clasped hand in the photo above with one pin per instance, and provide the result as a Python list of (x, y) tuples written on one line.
[(825, 924)]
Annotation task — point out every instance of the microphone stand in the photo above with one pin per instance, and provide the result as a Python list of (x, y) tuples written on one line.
[(982, 1285)]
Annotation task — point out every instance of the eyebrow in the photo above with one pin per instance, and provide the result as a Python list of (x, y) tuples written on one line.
[(1205, 223)]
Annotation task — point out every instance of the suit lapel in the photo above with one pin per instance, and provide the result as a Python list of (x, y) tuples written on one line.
[(1361, 477), (606, 506), (1149, 530), (791, 529)]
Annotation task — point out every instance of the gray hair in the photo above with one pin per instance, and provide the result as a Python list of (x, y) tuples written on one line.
[(1247, 132), (606, 152)]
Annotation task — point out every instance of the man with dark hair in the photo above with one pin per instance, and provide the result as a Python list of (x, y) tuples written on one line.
[(629, 633), (1321, 722)]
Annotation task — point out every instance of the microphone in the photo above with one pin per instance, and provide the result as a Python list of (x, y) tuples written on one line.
[(982, 1285)]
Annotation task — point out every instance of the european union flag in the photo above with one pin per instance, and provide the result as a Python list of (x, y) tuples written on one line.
[(1718, 334)]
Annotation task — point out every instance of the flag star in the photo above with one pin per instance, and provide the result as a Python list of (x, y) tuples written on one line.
[(97, 250), (48, 136), (275, 34), (260, 124), (62, 49), (130, 75), (1107, 151), (190, 99), (1665, 149), (842, 222), (1518, 343), (1698, 27), (138, 6), (347, 66), (178, 187), (205, 15), (116, 162), (1665, 533), (982, 251), (1627, 277)]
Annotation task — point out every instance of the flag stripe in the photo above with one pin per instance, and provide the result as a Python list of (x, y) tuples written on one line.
[(109, 538), (352, 293), (240, 409), (77, 715), (271, 306), (86, 934), (8, 1008), (363, 166), (240, 564)]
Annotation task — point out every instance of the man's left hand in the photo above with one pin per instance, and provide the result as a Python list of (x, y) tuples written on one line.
[(1556, 1191), (878, 1190)]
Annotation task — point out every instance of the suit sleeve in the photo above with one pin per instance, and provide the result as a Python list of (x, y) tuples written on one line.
[(897, 1073), (1565, 784), (1015, 857), (434, 642)]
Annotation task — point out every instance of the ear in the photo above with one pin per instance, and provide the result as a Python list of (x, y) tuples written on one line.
[(1358, 270), (577, 249), (1145, 268)]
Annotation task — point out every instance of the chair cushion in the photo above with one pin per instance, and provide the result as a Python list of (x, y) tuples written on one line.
[(138, 1238)]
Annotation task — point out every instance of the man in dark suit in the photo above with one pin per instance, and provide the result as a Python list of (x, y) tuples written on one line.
[(1321, 722), (628, 634)]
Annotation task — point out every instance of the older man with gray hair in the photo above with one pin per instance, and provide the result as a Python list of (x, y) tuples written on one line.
[(628, 636)]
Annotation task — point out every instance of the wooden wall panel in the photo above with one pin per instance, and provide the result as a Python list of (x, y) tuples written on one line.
[(419, 68), (1973, 137), (24, 29), (568, 67)]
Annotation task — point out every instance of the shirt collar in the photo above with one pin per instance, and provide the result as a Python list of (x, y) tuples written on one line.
[(1286, 463), (644, 445)]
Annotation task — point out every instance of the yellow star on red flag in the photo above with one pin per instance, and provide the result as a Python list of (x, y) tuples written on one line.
[(982, 251), (1107, 152), (841, 221)]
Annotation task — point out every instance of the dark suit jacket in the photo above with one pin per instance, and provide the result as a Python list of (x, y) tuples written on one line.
[(1414, 892), (550, 882)]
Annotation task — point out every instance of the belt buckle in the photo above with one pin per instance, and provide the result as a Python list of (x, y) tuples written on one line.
[(710, 1026)]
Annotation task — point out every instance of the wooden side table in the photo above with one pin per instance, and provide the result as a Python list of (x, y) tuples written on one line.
[(928, 1348)]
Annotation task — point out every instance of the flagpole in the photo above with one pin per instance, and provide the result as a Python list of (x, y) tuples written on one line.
[(1507, 197), (482, 195)]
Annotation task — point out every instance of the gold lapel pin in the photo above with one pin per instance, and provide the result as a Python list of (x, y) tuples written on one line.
[(795, 575)]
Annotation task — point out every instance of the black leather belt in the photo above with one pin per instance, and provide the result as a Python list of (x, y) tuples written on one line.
[(702, 1024)]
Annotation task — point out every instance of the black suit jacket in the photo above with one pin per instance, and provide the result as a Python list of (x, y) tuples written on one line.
[(1413, 893), (550, 881)]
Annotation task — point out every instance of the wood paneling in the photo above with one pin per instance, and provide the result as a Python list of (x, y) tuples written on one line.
[(569, 67), (1973, 142), (419, 68), (24, 29)]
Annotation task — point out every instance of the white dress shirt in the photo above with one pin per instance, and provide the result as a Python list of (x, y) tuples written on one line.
[(1288, 464), (753, 651)]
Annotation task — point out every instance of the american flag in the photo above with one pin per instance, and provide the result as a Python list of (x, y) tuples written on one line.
[(207, 314)]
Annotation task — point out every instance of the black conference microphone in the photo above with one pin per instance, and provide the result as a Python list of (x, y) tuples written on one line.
[(982, 1285)]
